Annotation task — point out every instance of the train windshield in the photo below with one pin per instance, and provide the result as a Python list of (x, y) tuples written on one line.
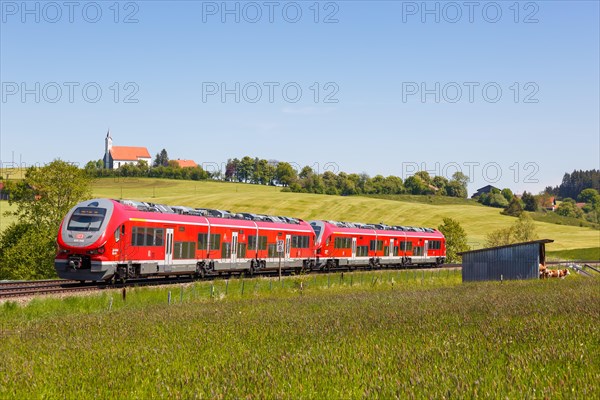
[(87, 219)]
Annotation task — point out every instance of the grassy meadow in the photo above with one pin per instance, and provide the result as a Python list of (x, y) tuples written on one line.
[(476, 219), (391, 334)]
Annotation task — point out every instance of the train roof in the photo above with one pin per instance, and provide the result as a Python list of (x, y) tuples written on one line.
[(380, 226), (208, 212)]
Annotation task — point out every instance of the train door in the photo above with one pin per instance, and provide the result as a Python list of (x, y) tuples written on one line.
[(169, 248), (425, 247), (353, 248), (121, 244), (391, 249), (288, 245), (234, 247)]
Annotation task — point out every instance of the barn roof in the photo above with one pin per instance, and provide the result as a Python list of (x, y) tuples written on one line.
[(186, 163), (505, 246), (129, 153)]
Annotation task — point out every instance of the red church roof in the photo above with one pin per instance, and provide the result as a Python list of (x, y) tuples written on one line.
[(186, 163), (129, 153)]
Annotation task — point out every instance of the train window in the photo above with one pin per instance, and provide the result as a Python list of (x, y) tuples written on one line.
[(435, 244), (386, 251), (272, 250), (226, 250), (405, 246), (342, 243), (215, 241), (141, 236), (376, 245), (159, 237), (300, 242), (362, 251), (86, 219), (149, 237), (137, 236), (262, 242), (202, 241), (184, 250), (241, 250), (395, 251), (117, 235)]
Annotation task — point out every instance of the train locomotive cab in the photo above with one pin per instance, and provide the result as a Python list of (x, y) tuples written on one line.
[(82, 241)]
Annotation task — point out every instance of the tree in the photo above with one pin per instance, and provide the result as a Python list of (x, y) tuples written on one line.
[(441, 183), (568, 208), (456, 239), (589, 196), (574, 183), (245, 169), (514, 208), (496, 200), (529, 201), (46, 194), (415, 185), (499, 237), (285, 174), (457, 187), (508, 194), (523, 230), (42, 199), (231, 169), (161, 159)]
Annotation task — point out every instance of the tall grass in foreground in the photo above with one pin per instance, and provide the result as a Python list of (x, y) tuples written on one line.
[(377, 335)]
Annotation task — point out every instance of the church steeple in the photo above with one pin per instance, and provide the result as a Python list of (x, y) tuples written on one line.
[(107, 147)]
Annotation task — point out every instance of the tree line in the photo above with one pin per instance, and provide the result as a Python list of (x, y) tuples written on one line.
[(576, 182), (279, 173), (260, 171)]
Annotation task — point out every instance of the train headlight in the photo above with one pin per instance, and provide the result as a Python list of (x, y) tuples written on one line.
[(99, 250)]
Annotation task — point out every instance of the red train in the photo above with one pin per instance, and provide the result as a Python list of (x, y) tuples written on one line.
[(103, 239)]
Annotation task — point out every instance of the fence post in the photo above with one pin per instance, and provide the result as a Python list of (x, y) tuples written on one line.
[(226, 286), (169, 297), (242, 287), (181, 294)]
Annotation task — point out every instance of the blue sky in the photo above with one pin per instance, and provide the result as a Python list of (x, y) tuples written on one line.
[(506, 91)]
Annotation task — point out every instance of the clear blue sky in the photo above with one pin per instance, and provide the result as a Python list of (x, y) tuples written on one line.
[(388, 77)]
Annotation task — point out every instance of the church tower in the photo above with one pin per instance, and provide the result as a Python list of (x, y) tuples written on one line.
[(107, 147)]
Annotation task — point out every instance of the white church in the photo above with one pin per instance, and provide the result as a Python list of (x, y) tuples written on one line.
[(117, 156)]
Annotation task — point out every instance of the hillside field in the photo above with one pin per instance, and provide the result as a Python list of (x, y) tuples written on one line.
[(476, 219)]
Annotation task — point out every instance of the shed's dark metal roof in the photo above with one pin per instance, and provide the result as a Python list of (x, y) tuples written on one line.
[(506, 246)]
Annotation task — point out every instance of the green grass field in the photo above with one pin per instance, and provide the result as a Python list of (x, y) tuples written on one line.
[(477, 220), (393, 334), (6, 220)]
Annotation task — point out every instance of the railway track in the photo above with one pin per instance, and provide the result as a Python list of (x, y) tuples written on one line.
[(29, 288)]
